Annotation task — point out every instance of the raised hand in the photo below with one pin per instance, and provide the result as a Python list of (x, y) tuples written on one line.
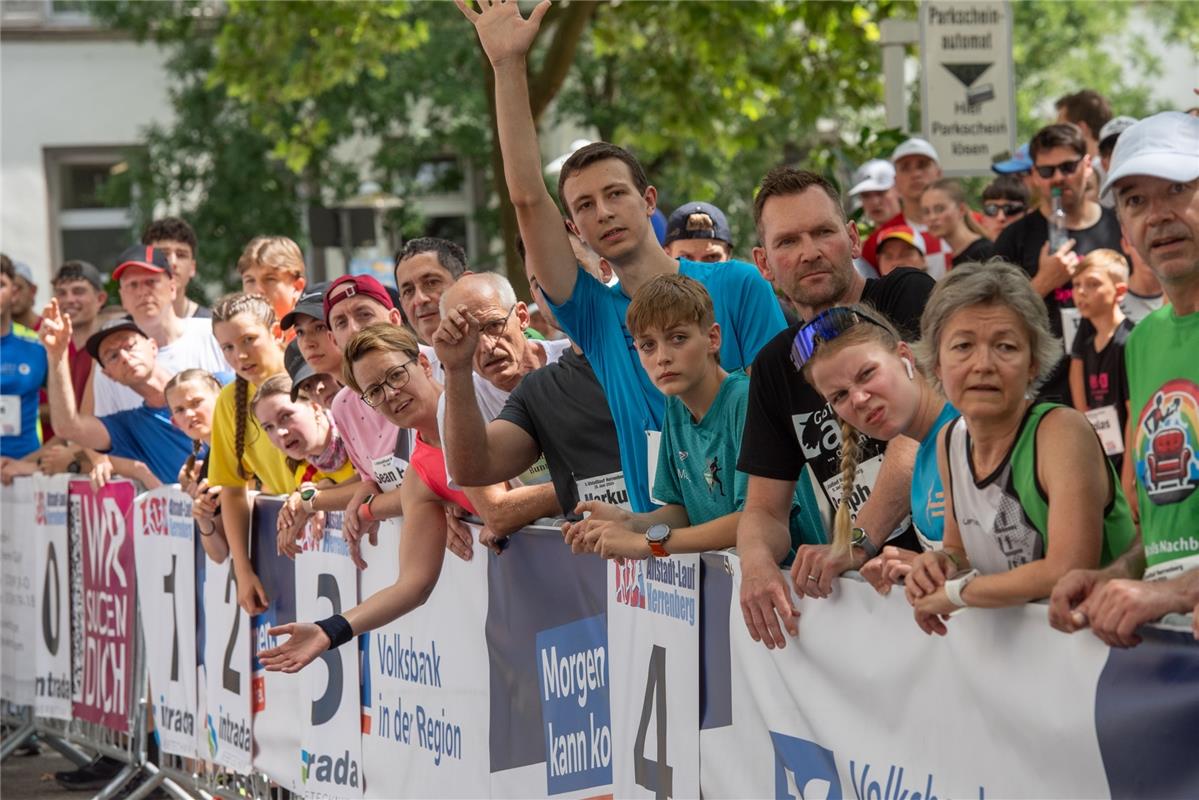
[(457, 338), (502, 31), (55, 331)]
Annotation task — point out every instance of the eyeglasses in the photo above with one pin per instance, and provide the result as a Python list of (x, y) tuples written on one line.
[(1008, 209), (396, 378), (495, 328), (1066, 167), (824, 327)]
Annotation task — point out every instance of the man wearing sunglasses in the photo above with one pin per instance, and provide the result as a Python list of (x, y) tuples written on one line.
[(1060, 162)]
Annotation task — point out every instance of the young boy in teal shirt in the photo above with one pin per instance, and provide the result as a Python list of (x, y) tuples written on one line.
[(678, 341)]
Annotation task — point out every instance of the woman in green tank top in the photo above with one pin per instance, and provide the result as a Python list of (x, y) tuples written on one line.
[(1029, 494)]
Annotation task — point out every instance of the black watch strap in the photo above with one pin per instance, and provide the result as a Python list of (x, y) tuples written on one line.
[(337, 628)]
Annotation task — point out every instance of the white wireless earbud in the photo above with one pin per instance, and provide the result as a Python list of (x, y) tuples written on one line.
[(907, 364)]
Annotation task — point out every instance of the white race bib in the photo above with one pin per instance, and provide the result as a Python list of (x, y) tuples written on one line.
[(1106, 423), (1071, 320), (389, 471), (608, 488), (10, 415)]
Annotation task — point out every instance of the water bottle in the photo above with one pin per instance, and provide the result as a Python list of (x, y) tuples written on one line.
[(1058, 235)]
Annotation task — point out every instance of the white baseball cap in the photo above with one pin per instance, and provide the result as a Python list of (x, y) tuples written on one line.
[(1164, 146), (876, 175), (915, 147)]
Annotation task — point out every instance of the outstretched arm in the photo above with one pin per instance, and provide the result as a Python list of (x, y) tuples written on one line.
[(83, 429), (506, 38)]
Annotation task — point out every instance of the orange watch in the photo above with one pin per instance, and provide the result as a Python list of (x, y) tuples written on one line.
[(656, 536)]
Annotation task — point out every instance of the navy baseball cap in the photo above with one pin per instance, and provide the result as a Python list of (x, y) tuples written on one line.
[(311, 303), (114, 325), (144, 256), (299, 369), (698, 221)]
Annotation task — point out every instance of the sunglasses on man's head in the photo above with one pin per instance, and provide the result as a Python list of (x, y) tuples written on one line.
[(824, 327), (1007, 209), (1066, 167)]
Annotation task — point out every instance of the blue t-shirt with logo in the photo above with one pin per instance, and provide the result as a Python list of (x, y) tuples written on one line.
[(928, 496), (594, 317), (147, 435), (22, 374)]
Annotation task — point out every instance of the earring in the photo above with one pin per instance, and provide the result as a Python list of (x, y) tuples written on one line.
[(907, 364)]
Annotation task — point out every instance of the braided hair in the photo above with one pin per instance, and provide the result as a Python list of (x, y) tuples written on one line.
[(228, 307)]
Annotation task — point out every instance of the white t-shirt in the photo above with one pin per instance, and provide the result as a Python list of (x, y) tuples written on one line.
[(195, 348)]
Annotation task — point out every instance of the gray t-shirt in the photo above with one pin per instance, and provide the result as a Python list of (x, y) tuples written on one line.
[(563, 407)]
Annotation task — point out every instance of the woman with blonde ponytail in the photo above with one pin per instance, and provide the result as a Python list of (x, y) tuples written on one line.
[(950, 218), (244, 326), (866, 372)]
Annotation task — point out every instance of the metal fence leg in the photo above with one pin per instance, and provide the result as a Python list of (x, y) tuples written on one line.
[(16, 739), (70, 751)]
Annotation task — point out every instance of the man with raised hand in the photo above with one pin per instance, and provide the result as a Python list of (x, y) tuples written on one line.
[(1155, 180), (608, 202)]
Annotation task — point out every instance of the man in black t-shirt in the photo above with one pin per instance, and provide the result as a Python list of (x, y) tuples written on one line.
[(1060, 159), (791, 434)]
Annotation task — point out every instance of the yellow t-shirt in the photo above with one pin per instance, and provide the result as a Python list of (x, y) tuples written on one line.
[(341, 475), (261, 458)]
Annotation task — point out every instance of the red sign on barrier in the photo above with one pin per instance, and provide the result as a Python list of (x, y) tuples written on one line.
[(104, 522)]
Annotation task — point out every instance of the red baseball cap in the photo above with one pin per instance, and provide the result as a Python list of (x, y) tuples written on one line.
[(144, 256), (350, 285)]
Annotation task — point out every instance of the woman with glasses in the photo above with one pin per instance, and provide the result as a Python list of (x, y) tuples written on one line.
[(1029, 494), (1005, 200), (949, 217), (384, 365), (860, 364)]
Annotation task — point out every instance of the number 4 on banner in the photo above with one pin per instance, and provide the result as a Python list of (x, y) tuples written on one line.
[(657, 776)]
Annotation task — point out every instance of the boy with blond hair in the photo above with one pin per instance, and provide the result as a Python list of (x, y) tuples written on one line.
[(273, 266), (673, 325), (1098, 380)]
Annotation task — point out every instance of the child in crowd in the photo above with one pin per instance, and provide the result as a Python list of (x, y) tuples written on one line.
[(1098, 380), (191, 397), (244, 326), (273, 267), (900, 246), (678, 341)]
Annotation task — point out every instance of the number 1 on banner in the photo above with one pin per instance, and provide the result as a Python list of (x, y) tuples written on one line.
[(657, 776), (168, 586)]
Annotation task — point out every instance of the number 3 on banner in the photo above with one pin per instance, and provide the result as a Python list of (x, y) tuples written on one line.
[(231, 678), (325, 707), (657, 776)]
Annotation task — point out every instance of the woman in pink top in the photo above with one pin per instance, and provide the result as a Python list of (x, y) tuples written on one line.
[(384, 365)]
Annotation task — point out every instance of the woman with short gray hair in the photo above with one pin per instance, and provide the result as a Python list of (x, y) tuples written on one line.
[(1021, 478)]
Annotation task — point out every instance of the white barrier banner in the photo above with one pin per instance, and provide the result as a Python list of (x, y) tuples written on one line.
[(653, 643), (425, 686), (19, 628), (52, 572), (227, 663), (331, 753), (164, 546), (834, 712)]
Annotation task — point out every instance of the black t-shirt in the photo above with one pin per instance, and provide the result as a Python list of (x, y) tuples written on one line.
[(789, 426), (1105, 379), (1020, 244), (563, 407), (979, 250)]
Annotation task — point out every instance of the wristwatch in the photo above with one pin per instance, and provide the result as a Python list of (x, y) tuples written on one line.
[(955, 586), (656, 536), (860, 539), (308, 493)]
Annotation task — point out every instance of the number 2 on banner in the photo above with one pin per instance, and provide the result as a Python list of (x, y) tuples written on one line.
[(657, 776), (231, 678), (325, 707)]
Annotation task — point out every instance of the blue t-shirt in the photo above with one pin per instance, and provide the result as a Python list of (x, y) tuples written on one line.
[(697, 461), (22, 374), (928, 496), (594, 317), (147, 435)]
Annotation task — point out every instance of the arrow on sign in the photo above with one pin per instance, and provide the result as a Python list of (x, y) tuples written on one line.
[(967, 73)]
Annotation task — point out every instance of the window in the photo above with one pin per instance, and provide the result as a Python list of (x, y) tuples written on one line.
[(90, 219)]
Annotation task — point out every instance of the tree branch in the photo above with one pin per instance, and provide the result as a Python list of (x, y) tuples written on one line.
[(560, 54)]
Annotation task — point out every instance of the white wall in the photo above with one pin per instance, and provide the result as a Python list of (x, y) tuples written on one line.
[(65, 93)]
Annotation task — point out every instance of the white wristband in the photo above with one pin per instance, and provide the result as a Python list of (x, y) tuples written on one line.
[(954, 587)]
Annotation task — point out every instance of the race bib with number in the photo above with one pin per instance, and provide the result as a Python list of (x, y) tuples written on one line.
[(1106, 423), (10, 415), (389, 471)]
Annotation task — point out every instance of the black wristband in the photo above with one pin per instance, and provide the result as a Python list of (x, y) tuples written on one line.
[(337, 628)]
